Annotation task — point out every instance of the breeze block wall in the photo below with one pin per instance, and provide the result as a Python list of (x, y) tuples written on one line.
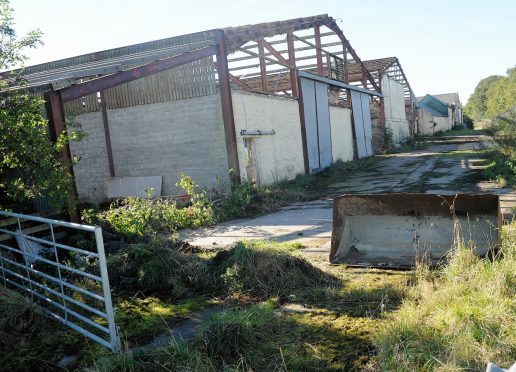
[(158, 139)]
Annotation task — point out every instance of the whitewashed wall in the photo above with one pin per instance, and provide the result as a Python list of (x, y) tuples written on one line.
[(394, 107), (426, 122), (279, 156), (341, 134), (444, 123)]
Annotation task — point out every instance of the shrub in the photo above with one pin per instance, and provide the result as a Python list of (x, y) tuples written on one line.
[(388, 139), (503, 156), (243, 200), (136, 218)]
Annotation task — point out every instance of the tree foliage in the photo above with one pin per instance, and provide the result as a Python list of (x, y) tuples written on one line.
[(493, 96), (30, 164), (477, 104), (502, 94), (12, 46)]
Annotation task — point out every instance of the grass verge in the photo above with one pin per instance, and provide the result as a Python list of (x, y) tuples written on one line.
[(460, 317)]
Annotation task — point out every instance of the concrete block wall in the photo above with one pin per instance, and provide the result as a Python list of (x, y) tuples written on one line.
[(341, 134), (159, 139), (275, 157), (394, 108), (93, 167)]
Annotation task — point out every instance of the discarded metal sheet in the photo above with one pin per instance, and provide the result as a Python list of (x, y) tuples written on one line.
[(397, 230)]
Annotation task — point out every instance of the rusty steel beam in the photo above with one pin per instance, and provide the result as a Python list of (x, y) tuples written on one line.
[(302, 121), (263, 69), (107, 135), (292, 60), (109, 81), (240, 83), (57, 125), (345, 61), (320, 68), (333, 26), (274, 52), (227, 108), (271, 60)]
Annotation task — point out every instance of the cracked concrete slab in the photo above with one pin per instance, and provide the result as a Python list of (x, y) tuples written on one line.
[(428, 170)]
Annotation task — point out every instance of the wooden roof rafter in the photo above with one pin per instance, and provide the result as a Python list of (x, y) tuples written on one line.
[(389, 66), (237, 37)]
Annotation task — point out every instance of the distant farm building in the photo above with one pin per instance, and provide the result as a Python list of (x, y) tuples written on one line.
[(438, 113)]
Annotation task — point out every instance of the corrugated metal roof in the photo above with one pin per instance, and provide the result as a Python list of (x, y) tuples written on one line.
[(449, 98), (433, 105), (68, 71)]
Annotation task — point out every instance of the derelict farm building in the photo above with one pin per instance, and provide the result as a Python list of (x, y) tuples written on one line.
[(264, 102)]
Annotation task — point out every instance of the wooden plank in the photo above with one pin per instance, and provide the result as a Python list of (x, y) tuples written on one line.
[(263, 69), (318, 50), (292, 60)]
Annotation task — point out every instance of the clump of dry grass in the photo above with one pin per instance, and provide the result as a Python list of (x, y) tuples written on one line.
[(265, 269)]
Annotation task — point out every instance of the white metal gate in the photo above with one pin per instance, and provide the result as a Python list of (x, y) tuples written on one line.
[(317, 124), (69, 283), (362, 123)]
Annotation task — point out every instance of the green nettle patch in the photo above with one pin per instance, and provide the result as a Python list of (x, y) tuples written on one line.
[(137, 218)]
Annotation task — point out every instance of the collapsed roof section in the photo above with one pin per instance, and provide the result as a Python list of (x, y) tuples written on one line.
[(263, 58), (389, 66)]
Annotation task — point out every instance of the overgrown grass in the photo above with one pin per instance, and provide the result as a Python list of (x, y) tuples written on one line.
[(458, 131), (502, 167), (151, 268), (29, 340), (264, 269), (460, 317)]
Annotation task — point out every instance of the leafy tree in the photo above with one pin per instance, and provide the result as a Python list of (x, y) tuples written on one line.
[(502, 95), (30, 164), (477, 104), (12, 46)]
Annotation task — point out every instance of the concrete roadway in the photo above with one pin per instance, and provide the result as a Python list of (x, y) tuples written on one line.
[(429, 170)]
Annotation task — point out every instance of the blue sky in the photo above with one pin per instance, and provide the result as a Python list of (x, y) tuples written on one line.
[(443, 46)]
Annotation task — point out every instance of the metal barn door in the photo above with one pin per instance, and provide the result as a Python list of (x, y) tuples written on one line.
[(362, 122), (317, 124)]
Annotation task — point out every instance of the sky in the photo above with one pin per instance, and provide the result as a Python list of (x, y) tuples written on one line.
[(443, 46)]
